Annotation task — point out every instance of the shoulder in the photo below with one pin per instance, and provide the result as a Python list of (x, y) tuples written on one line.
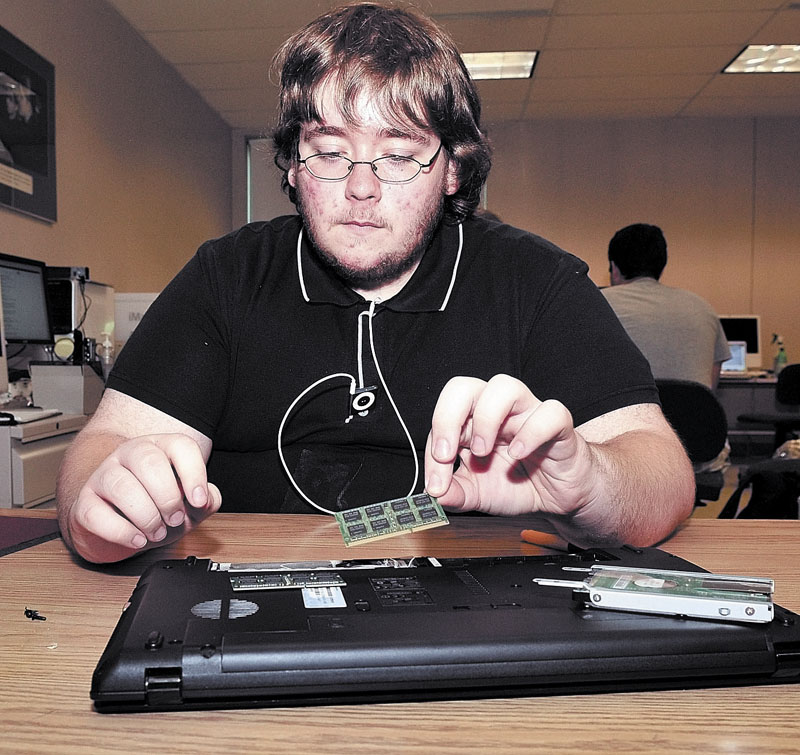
[(258, 235), (688, 299), (249, 250), (500, 242)]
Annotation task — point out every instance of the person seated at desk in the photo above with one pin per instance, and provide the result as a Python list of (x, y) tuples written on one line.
[(482, 346), (677, 330)]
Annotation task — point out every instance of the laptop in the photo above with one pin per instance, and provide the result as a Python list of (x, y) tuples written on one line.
[(736, 366), (199, 634)]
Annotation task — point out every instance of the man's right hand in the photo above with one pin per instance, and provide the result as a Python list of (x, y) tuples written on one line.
[(148, 492), (121, 490)]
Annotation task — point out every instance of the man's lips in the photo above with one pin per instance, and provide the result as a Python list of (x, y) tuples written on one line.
[(362, 227), (363, 223)]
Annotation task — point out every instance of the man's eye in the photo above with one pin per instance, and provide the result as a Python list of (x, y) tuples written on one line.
[(331, 158)]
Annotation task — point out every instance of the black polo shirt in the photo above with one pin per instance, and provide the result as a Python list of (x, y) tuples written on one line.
[(255, 319)]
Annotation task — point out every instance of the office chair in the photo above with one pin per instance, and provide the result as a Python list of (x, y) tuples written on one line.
[(774, 486), (699, 420), (786, 417)]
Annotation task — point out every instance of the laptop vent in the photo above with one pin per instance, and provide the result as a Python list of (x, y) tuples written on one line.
[(475, 587), (216, 609)]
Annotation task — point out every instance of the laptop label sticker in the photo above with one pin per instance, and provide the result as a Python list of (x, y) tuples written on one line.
[(323, 597)]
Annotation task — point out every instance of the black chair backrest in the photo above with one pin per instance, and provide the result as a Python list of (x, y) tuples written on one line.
[(697, 417), (787, 389)]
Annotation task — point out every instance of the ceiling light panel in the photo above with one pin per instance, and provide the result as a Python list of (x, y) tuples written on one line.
[(767, 59), (500, 65)]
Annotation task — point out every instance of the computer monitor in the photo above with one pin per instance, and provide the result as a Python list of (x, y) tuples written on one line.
[(745, 328), (25, 314)]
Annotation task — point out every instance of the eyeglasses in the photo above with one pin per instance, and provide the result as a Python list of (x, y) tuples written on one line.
[(392, 169)]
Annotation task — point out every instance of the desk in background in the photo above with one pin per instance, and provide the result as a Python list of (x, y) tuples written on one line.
[(47, 665), (747, 396), (30, 455)]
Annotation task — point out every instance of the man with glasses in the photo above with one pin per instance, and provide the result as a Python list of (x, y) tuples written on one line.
[(382, 342)]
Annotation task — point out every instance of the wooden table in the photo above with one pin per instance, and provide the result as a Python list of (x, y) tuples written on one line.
[(46, 666)]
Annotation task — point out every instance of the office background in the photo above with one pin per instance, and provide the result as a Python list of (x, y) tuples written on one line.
[(146, 171)]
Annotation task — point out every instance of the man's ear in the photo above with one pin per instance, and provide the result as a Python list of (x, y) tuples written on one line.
[(452, 182), (291, 175)]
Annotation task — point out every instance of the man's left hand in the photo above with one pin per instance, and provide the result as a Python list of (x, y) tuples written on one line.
[(518, 454)]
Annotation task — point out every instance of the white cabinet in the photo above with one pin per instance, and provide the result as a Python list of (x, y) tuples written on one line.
[(30, 455)]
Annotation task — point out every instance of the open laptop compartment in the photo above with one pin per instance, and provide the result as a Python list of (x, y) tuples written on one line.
[(429, 629)]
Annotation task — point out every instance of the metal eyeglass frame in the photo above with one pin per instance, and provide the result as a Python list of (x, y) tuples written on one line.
[(371, 163)]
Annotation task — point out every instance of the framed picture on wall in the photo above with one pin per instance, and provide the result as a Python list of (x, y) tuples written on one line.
[(27, 130)]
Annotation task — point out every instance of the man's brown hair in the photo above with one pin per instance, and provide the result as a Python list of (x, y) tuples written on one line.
[(407, 63)]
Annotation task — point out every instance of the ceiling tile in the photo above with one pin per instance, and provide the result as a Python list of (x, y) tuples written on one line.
[(605, 109), (501, 90), (197, 15), (654, 30), (501, 112), (768, 107), (218, 46), (617, 87), (493, 33), (240, 99), (783, 29), (634, 61), (602, 7), (255, 122), (754, 85), (225, 75), (439, 8)]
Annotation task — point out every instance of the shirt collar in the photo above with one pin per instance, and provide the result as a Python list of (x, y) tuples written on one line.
[(428, 289), (643, 280)]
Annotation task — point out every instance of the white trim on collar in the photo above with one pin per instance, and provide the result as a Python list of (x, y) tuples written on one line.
[(300, 267), (455, 267)]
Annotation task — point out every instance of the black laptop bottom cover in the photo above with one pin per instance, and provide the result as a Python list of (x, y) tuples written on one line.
[(199, 634)]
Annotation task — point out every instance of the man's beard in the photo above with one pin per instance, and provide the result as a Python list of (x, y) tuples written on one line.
[(388, 267)]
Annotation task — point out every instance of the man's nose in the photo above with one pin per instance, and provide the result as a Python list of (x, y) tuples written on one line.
[(362, 183)]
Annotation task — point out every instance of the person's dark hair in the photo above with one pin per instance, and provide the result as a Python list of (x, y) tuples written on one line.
[(639, 250), (412, 68)]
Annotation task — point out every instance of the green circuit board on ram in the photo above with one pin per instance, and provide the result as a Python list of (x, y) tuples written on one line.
[(390, 518)]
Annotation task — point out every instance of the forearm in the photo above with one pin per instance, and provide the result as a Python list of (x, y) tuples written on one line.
[(644, 488)]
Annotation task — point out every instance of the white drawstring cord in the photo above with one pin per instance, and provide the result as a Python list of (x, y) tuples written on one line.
[(283, 422), (352, 380), (391, 400)]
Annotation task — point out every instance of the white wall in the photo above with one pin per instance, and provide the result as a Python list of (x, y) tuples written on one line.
[(725, 191)]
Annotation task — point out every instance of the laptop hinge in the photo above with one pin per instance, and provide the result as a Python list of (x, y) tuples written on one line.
[(162, 686)]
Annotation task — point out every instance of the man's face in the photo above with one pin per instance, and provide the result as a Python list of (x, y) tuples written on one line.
[(371, 233)]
